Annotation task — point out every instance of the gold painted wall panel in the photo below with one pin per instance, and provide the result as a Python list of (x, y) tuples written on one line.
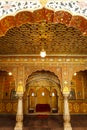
[(8, 107), (43, 99), (78, 107), (75, 106), (54, 102)]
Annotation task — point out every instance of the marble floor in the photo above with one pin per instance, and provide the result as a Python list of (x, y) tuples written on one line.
[(43, 122)]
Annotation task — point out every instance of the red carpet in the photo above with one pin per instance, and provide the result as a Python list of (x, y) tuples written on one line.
[(42, 116)]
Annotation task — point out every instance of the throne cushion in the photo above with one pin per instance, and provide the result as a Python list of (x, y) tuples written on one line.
[(43, 108)]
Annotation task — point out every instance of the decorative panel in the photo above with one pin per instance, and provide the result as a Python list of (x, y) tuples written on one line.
[(78, 106), (7, 23), (39, 15), (79, 22), (23, 17), (49, 15), (8, 106), (62, 17)]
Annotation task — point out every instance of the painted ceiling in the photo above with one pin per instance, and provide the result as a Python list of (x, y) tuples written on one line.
[(58, 26)]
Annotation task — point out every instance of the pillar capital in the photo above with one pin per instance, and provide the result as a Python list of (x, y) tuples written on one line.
[(66, 91), (20, 89)]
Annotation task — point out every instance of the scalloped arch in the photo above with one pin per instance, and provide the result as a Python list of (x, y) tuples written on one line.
[(40, 15), (43, 74)]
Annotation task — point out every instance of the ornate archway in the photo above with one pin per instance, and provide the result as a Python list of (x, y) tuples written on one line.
[(43, 92)]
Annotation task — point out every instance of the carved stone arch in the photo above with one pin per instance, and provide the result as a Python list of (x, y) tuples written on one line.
[(42, 82), (33, 69), (8, 69), (56, 88), (42, 75), (78, 85), (77, 69), (8, 82), (54, 91), (43, 14)]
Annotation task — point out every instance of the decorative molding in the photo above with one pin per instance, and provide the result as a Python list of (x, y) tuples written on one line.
[(19, 60)]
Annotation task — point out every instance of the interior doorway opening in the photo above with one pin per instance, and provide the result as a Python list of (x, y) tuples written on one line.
[(43, 92)]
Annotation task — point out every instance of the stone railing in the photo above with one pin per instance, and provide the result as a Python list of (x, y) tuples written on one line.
[(75, 106), (78, 106), (8, 106)]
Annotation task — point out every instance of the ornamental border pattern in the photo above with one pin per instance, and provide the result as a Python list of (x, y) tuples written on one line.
[(28, 59), (13, 6)]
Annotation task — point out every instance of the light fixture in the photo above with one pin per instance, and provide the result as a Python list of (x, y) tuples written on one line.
[(43, 93), (53, 94), (75, 74), (10, 73), (32, 94), (43, 53)]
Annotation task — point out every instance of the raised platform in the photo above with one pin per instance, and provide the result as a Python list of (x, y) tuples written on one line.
[(43, 108)]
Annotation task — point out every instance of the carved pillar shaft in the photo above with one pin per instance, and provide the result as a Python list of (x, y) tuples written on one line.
[(35, 101), (19, 116), (27, 104), (67, 124), (51, 102)]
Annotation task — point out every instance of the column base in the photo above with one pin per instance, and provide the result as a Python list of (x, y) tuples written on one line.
[(67, 126), (19, 126)]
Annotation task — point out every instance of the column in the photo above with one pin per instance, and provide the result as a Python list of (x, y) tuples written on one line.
[(50, 101), (35, 101), (27, 104), (19, 116), (57, 105), (66, 116)]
